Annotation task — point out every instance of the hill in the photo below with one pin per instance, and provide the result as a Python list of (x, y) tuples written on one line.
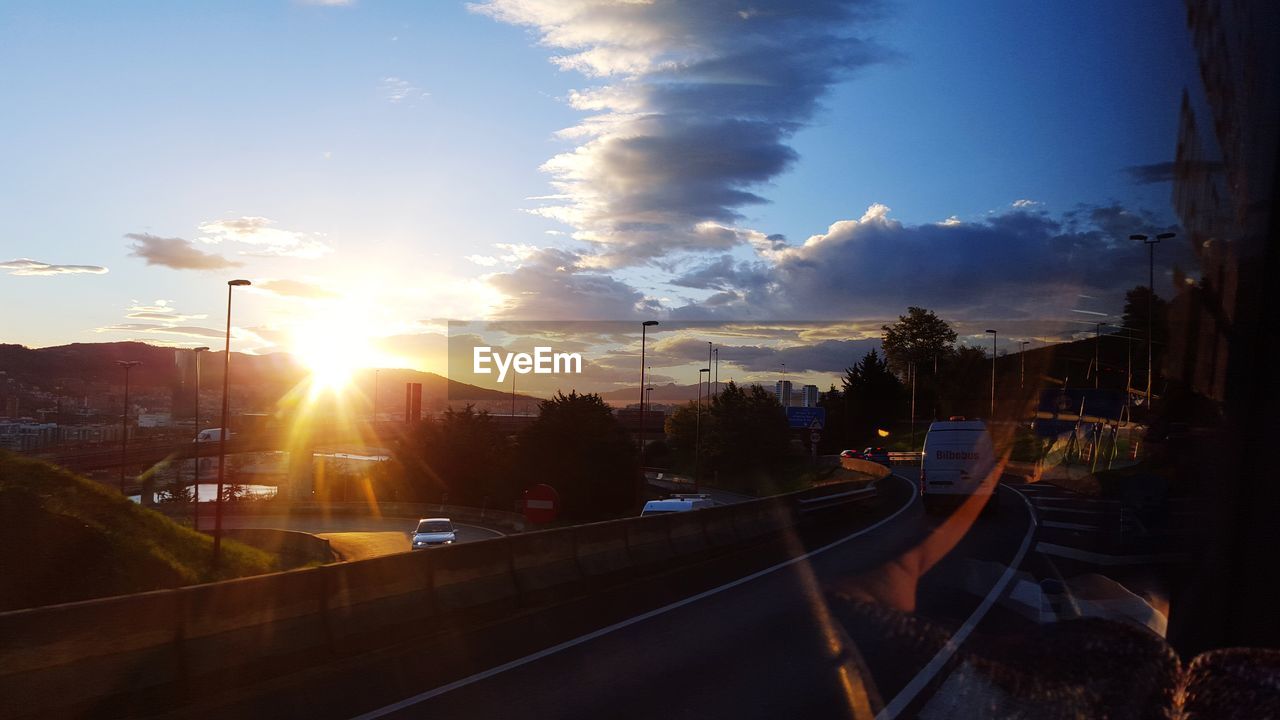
[(78, 365), (65, 538)]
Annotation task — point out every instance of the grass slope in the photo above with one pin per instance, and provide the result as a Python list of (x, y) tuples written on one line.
[(65, 538)]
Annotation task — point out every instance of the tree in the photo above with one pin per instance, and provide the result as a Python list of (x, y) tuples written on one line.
[(577, 446), (743, 434), (873, 397), (920, 336), (1135, 319), (463, 457)]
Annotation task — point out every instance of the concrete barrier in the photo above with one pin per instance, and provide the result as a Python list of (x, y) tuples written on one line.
[(294, 548), (686, 532), (67, 654), (647, 540), (718, 528), (602, 548), (71, 655), (472, 574), (545, 560), (367, 600), (251, 620)]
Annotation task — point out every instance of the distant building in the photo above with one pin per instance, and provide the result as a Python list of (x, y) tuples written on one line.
[(782, 391), (809, 396)]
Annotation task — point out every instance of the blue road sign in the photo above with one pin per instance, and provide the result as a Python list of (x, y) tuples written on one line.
[(806, 418)]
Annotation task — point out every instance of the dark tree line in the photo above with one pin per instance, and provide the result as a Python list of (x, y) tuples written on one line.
[(740, 436), (574, 445)]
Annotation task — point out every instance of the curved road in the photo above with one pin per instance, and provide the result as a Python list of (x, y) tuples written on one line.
[(353, 537), (809, 625)]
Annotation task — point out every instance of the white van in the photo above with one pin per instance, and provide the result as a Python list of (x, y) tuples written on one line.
[(677, 503), (959, 461), (212, 435)]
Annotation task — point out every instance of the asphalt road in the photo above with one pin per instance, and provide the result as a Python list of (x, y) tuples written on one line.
[(780, 630), (353, 538)]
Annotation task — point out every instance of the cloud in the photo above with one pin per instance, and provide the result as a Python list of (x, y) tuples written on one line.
[(161, 310), (1151, 173), (552, 284), (295, 288), (694, 108), (397, 90), (1023, 204), (267, 240), (163, 329), (27, 266), (175, 253)]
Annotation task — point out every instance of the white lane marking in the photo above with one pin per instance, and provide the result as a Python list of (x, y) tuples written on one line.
[(930, 670), (499, 669)]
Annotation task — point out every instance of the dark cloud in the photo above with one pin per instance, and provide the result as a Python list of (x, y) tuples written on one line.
[(550, 284), (27, 266), (700, 102), (1152, 173), (175, 253)]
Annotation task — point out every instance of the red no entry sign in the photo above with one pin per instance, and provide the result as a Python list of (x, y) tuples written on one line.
[(541, 503)]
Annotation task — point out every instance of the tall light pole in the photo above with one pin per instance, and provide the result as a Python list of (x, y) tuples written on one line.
[(644, 334), (717, 372), (222, 431), (195, 480), (1022, 355), (994, 340), (709, 353), (1151, 299), (697, 429), (124, 417)]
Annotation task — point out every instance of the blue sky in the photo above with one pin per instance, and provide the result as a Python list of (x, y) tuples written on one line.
[(381, 164)]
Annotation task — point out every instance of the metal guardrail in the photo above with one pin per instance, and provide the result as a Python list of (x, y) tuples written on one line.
[(905, 458)]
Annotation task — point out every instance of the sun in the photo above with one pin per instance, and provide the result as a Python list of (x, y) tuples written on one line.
[(334, 350)]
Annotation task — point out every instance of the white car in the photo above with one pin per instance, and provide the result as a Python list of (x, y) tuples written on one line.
[(432, 532), (959, 462)]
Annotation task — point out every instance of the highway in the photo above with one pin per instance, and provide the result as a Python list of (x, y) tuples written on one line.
[(352, 538), (811, 626)]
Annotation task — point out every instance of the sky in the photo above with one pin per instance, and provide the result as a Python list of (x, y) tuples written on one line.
[(377, 168)]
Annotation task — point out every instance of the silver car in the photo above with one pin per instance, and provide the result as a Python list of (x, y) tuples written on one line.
[(432, 532)]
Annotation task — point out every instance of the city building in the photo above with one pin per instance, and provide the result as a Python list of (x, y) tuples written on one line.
[(782, 391), (809, 396)]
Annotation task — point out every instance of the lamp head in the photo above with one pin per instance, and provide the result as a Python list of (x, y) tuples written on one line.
[(238, 283)]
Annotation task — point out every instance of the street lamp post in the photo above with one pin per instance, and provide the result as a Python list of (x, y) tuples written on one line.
[(994, 343), (716, 366), (644, 332), (697, 429), (1022, 355), (124, 418), (195, 479), (222, 431), (1151, 298), (709, 354)]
